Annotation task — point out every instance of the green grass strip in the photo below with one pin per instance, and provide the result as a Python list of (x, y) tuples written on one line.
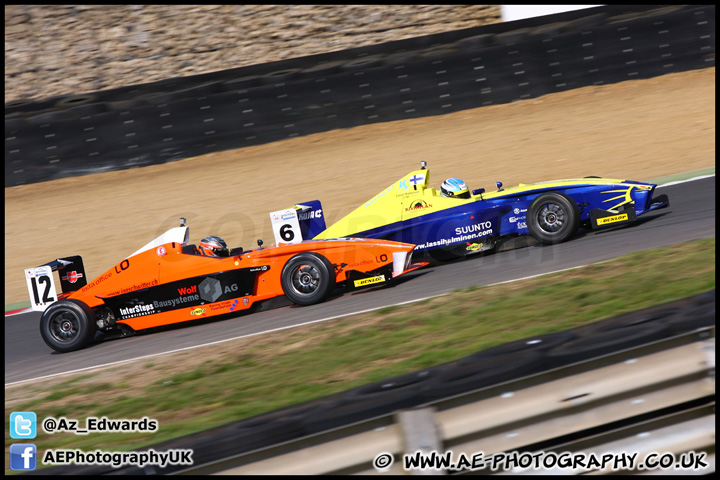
[(683, 176), (204, 389)]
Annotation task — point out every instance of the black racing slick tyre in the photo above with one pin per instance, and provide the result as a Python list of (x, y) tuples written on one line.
[(553, 218), (308, 278), (67, 325)]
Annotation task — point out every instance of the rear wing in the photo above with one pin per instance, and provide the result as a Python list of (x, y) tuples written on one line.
[(303, 221), (41, 282)]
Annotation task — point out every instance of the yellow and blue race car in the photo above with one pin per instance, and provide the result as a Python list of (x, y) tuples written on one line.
[(455, 222)]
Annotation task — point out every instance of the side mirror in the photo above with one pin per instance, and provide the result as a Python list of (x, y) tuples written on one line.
[(259, 242), (478, 191), (499, 185)]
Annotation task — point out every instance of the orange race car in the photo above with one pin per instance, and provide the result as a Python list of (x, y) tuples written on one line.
[(169, 281)]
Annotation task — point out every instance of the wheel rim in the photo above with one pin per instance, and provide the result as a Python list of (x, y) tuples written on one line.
[(551, 218), (306, 280), (64, 327)]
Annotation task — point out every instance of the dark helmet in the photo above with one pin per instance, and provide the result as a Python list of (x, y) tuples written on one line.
[(214, 246), (454, 188)]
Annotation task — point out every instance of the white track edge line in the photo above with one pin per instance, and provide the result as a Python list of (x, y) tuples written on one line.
[(685, 181)]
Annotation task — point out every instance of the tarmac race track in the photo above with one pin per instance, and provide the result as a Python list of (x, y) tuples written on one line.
[(691, 216)]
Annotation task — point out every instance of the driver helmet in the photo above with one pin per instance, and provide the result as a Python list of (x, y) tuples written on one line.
[(454, 188), (214, 246)]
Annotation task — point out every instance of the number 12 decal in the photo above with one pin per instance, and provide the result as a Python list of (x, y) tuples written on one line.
[(41, 287)]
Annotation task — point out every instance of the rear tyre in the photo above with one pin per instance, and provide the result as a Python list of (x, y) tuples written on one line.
[(308, 278), (67, 325), (553, 218)]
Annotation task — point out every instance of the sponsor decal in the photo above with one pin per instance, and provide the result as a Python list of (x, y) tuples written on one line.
[(97, 281), (246, 301), (221, 305), (419, 205), (237, 263), (210, 289), (187, 290), (124, 265), (234, 304), (515, 219), (369, 281), (73, 276), (40, 271), (474, 247), (452, 240), (137, 311), (282, 215), (309, 215), (522, 225), (613, 219), (357, 264), (377, 197), (403, 185), (134, 287), (259, 269), (517, 210), (211, 294), (176, 301), (484, 227), (161, 252)]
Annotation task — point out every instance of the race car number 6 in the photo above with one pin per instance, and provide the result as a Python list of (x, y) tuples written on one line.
[(285, 225), (286, 232)]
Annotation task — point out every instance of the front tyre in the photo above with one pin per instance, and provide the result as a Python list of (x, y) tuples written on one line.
[(67, 325), (308, 278), (553, 217)]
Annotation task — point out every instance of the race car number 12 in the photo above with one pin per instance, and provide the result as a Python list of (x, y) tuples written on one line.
[(46, 291), (41, 287)]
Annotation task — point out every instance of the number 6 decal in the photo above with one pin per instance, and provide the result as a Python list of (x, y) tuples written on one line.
[(41, 287), (286, 227), (286, 232)]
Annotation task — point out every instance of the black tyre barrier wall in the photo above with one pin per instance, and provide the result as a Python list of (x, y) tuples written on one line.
[(370, 401), (486, 368), (432, 75)]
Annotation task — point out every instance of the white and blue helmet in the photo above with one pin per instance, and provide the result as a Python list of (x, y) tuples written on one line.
[(454, 188)]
